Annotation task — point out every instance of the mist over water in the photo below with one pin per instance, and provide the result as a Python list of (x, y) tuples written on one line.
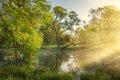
[(94, 55), (101, 39)]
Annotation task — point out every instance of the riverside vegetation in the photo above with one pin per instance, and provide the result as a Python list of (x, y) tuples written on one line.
[(35, 38)]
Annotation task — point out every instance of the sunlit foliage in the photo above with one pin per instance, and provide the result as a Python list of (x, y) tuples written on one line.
[(20, 21)]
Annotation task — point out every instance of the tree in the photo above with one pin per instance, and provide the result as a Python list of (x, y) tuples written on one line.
[(102, 29), (63, 22), (19, 24), (104, 25), (46, 29)]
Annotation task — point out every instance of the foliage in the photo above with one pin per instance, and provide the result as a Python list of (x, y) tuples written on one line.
[(63, 21), (19, 24), (106, 25), (102, 28), (46, 29)]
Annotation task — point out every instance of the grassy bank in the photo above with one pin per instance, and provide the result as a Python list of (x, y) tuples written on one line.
[(24, 73)]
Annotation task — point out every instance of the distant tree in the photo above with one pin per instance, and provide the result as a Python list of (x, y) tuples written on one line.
[(102, 29), (63, 22)]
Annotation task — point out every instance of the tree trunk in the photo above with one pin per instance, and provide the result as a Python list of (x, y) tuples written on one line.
[(15, 52), (56, 61), (16, 56)]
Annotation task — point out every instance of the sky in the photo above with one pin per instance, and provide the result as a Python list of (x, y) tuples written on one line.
[(82, 7)]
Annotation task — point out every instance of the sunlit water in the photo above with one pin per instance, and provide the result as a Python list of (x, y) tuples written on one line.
[(68, 65), (89, 57)]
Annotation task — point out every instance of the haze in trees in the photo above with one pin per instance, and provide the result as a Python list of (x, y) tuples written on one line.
[(39, 42)]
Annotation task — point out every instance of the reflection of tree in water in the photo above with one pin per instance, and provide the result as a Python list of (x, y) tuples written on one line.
[(47, 58), (69, 65)]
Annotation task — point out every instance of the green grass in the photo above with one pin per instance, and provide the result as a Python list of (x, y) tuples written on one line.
[(94, 76), (48, 46), (24, 73)]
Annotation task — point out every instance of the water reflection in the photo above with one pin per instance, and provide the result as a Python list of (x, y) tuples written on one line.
[(69, 65)]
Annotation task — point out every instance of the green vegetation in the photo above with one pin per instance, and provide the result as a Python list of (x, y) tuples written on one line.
[(19, 24), (35, 39), (25, 73)]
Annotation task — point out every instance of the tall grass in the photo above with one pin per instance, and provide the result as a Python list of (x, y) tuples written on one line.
[(25, 73), (94, 76)]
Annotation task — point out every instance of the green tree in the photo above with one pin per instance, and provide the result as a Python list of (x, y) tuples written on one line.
[(63, 22), (19, 24), (46, 29), (102, 29), (104, 25)]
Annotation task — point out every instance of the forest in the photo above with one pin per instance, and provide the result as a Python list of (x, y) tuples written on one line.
[(39, 41)]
